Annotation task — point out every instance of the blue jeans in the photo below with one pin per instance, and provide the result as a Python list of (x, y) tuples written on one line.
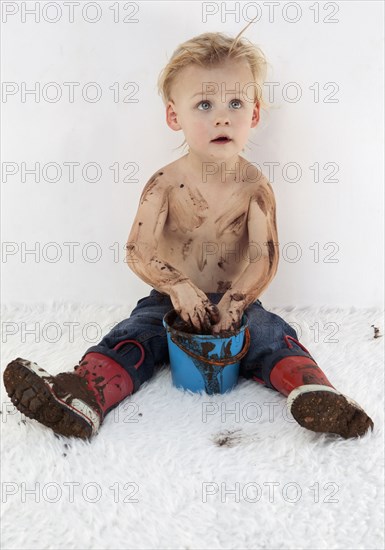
[(267, 340)]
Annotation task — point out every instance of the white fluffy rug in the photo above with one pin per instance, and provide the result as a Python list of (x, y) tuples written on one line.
[(171, 469)]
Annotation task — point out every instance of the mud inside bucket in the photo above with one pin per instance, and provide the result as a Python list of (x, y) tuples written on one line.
[(205, 362)]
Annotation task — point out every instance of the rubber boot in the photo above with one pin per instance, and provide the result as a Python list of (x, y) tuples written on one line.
[(70, 403), (313, 401)]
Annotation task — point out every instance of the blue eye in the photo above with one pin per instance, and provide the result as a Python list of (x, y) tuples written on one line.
[(202, 103), (239, 102)]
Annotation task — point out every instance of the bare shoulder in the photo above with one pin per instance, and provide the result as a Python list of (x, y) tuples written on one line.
[(253, 176), (259, 187), (160, 181)]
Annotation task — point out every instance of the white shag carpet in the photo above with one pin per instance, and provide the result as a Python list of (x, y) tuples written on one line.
[(176, 470)]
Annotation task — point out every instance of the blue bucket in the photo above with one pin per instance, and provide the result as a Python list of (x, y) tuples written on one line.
[(205, 363)]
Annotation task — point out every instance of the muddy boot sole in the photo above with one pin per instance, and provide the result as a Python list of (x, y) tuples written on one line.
[(32, 391), (328, 411)]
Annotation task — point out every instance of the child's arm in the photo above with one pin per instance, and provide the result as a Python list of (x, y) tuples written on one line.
[(264, 257), (142, 257)]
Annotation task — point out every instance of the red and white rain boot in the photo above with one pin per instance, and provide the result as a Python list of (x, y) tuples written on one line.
[(313, 401), (70, 403)]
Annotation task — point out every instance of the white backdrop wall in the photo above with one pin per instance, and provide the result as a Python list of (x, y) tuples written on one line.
[(324, 129)]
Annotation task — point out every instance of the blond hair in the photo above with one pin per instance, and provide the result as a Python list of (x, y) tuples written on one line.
[(212, 49)]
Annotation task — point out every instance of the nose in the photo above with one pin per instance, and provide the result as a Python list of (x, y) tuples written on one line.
[(222, 118), (220, 121)]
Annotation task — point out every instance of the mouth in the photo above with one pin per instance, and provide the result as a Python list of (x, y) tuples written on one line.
[(221, 139)]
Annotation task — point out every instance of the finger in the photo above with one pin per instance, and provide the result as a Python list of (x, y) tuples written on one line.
[(214, 313), (205, 321), (218, 330), (235, 325), (195, 323), (212, 310), (185, 316), (238, 320), (214, 329)]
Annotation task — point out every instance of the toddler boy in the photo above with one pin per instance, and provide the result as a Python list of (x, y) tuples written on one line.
[(205, 238)]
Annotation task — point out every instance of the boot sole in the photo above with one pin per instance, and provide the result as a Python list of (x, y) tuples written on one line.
[(30, 390), (327, 410)]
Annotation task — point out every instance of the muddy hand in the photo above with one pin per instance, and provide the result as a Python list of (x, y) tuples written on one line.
[(231, 310), (194, 307), (228, 322)]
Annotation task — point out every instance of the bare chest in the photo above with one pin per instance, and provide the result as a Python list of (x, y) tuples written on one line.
[(219, 213)]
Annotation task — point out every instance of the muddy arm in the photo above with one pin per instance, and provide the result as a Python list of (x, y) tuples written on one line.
[(142, 244), (263, 249)]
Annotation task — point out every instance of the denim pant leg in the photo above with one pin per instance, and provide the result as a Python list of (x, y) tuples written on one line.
[(144, 326), (271, 339)]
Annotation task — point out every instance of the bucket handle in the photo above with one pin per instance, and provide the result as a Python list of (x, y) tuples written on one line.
[(222, 362)]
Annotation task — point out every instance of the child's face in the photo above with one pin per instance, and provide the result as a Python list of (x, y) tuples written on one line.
[(222, 104)]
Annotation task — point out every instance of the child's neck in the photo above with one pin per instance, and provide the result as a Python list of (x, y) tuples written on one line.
[(213, 172)]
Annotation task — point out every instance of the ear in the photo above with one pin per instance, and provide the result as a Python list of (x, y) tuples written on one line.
[(255, 117), (172, 117)]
